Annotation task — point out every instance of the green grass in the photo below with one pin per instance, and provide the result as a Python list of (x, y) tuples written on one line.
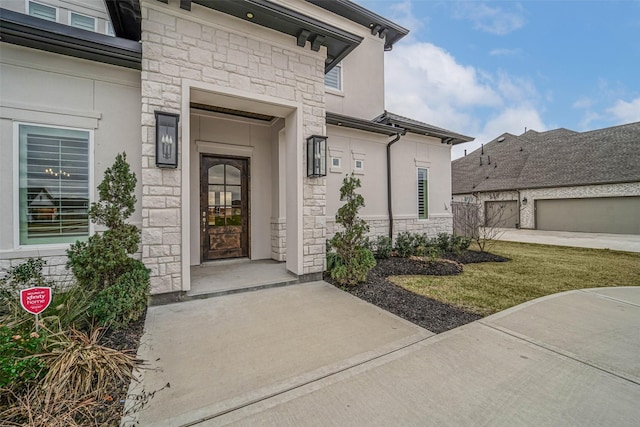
[(534, 271)]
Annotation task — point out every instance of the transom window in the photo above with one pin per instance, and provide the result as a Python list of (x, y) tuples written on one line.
[(43, 11), (333, 79), (53, 184), (423, 193)]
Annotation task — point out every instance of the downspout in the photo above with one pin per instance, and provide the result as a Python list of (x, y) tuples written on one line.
[(389, 204)]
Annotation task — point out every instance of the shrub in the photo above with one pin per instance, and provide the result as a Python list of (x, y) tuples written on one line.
[(125, 301), (355, 271), (19, 366), (381, 247), (405, 244), (352, 261), (99, 261)]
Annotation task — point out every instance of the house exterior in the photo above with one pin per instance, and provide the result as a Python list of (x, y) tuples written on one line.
[(245, 84), (556, 180)]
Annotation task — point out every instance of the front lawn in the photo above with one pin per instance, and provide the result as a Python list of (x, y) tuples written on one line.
[(534, 271)]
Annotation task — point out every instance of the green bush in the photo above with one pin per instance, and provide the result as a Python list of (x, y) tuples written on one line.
[(380, 246), (98, 262), (19, 367), (352, 261), (356, 269), (124, 301)]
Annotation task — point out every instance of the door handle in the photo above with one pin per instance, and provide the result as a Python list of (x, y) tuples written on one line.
[(204, 221)]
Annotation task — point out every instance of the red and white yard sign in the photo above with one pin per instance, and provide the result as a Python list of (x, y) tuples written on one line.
[(35, 300)]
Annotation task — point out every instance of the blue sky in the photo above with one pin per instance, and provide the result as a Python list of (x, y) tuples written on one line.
[(483, 68)]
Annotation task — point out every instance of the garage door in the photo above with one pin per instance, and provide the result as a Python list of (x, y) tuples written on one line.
[(502, 214), (619, 215)]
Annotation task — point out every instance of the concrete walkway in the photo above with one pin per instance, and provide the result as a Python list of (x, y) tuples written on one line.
[(618, 242), (314, 355)]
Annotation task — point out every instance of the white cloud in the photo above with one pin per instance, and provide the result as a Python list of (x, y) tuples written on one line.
[(505, 52), (513, 120), (583, 103), (402, 13), (625, 112), (494, 20), (425, 82)]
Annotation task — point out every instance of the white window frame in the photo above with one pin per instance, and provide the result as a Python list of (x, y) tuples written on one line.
[(108, 28), (28, 11), (340, 87), (335, 164), (359, 168), (418, 207), (16, 185), (95, 21)]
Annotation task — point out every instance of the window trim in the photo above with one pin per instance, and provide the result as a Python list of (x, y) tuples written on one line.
[(108, 24), (425, 214), (95, 21), (17, 245), (28, 12)]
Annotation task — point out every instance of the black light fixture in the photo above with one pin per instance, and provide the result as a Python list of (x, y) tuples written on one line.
[(524, 200), (167, 139), (316, 156)]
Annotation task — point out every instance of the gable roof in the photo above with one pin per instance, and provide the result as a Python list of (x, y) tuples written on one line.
[(555, 158)]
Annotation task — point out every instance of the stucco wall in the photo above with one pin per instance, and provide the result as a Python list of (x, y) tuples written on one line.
[(49, 89), (527, 213), (408, 154)]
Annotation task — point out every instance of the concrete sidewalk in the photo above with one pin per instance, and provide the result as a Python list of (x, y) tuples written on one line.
[(566, 359), (617, 242)]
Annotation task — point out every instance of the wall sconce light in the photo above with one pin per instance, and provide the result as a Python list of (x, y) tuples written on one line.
[(167, 139), (316, 156), (524, 200)]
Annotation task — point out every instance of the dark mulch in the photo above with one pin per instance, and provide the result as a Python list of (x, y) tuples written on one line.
[(425, 312)]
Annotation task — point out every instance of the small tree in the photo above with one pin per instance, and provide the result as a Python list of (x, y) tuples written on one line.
[(99, 261), (480, 225), (353, 259)]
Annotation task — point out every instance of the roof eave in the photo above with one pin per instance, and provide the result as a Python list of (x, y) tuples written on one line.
[(378, 25), (24, 30)]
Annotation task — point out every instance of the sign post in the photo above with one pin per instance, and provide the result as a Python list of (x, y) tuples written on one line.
[(36, 300)]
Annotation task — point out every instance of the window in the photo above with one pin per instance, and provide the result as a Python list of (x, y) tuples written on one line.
[(43, 11), (81, 21), (335, 162), (423, 194), (333, 79), (53, 184), (358, 165)]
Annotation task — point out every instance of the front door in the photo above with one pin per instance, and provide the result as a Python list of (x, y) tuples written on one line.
[(224, 207)]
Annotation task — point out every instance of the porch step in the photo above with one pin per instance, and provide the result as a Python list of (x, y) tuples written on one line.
[(250, 288)]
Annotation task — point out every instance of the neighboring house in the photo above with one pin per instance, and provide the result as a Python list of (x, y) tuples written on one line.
[(250, 81), (556, 180)]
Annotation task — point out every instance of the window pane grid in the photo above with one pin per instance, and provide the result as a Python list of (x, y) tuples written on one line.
[(423, 195), (42, 11), (55, 184)]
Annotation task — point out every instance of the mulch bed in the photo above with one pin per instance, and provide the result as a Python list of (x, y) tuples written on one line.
[(423, 311)]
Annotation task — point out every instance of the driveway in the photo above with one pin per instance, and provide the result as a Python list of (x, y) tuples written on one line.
[(618, 242), (314, 355)]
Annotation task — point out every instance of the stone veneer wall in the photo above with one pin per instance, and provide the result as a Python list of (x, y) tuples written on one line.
[(380, 227), (179, 45), (278, 239), (54, 269), (527, 213)]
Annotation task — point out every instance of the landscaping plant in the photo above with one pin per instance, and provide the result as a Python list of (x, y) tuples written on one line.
[(99, 261), (352, 259)]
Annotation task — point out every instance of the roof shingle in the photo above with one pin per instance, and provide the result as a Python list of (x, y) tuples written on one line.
[(555, 158)]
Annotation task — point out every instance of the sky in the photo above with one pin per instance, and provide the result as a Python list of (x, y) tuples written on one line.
[(483, 68)]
